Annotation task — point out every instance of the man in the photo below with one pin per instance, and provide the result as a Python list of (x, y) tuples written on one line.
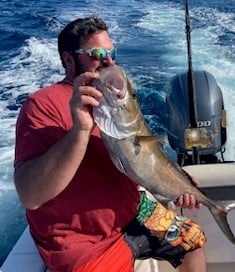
[(81, 210)]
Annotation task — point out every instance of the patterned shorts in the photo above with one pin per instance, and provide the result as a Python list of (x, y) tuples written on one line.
[(160, 233)]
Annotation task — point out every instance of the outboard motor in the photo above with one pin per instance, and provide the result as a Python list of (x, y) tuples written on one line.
[(209, 137)]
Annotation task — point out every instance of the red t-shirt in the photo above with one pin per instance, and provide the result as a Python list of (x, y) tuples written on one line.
[(87, 217)]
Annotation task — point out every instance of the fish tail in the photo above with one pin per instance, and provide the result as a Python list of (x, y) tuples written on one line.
[(220, 216)]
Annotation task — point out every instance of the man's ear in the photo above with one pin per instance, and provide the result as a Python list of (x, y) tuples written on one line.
[(68, 59), (68, 62)]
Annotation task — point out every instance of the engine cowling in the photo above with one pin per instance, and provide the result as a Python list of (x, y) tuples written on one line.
[(211, 116)]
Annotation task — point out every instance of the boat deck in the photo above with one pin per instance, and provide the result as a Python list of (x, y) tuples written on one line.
[(25, 256)]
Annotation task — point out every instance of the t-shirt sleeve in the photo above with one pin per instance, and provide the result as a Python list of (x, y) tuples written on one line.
[(38, 127)]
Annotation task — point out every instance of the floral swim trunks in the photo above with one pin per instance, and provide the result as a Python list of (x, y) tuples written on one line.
[(160, 233)]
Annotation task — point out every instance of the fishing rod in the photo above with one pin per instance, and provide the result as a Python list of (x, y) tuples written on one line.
[(191, 84)]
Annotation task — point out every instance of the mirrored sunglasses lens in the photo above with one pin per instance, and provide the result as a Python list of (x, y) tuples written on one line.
[(113, 53), (99, 53)]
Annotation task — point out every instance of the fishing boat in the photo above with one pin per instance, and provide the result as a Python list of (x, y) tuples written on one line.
[(197, 134)]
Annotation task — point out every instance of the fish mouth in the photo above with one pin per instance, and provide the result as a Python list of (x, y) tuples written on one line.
[(112, 88), (117, 89), (120, 94), (114, 82)]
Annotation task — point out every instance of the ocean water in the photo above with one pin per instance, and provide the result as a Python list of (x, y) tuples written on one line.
[(150, 37)]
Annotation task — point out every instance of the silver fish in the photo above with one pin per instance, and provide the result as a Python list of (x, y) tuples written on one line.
[(136, 152)]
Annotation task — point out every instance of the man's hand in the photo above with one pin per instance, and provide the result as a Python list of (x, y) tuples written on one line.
[(83, 99), (188, 201)]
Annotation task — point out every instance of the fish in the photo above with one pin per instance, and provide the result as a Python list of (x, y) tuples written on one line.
[(137, 152)]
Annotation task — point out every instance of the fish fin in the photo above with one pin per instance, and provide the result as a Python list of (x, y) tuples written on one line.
[(191, 180), (187, 175), (228, 204), (118, 163), (161, 198), (220, 216), (145, 140)]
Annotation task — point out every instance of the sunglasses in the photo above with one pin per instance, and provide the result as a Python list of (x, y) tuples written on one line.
[(99, 53)]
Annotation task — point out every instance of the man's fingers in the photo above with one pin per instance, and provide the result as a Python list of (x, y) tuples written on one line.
[(187, 201), (85, 79)]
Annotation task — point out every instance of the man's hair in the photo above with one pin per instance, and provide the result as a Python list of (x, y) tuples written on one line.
[(78, 31)]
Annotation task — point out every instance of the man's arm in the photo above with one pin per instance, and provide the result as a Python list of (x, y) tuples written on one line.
[(42, 178)]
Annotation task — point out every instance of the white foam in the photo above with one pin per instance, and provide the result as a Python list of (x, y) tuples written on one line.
[(37, 64)]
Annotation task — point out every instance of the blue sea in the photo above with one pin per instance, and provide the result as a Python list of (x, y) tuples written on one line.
[(151, 41)]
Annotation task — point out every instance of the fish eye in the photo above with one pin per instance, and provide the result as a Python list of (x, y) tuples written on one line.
[(133, 94)]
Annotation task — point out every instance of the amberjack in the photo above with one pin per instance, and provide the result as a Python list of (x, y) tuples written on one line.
[(137, 153)]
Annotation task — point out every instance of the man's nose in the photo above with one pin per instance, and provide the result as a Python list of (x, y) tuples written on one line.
[(108, 61)]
